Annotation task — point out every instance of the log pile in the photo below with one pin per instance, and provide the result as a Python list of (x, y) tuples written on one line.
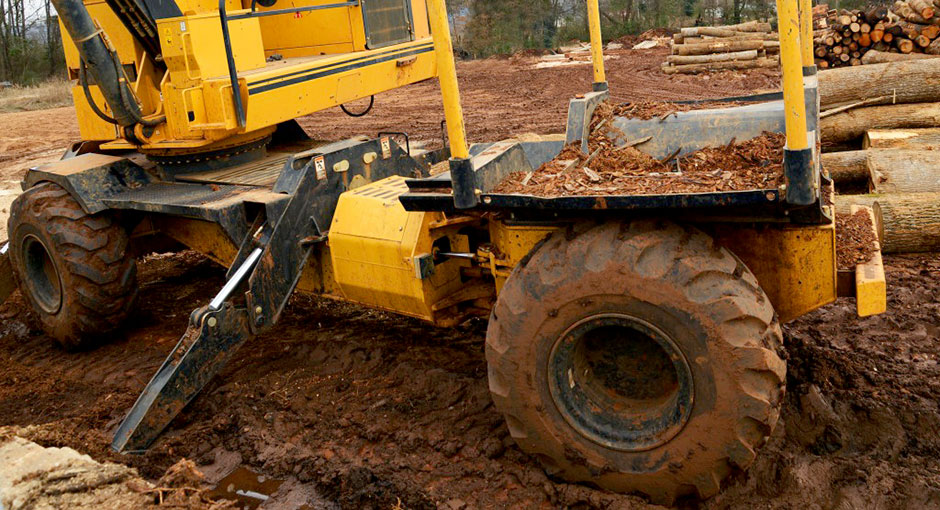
[(747, 45), (909, 29), (896, 126), (893, 95)]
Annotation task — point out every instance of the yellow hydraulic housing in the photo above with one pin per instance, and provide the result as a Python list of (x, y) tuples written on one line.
[(386, 257), (288, 64)]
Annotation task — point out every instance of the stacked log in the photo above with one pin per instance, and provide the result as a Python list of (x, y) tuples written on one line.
[(897, 127), (893, 95), (909, 29), (742, 46)]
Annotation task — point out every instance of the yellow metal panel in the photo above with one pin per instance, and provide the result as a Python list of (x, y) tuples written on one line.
[(419, 15), (281, 93), (90, 125), (871, 290), (205, 237), (373, 246), (795, 265), (511, 243), (193, 48), (308, 33), (318, 277), (119, 37)]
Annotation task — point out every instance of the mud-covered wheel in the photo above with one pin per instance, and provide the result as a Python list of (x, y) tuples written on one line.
[(640, 357), (74, 268)]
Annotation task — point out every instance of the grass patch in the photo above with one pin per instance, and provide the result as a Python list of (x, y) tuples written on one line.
[(51, 93)]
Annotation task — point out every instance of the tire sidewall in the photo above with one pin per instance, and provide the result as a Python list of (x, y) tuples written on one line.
[(51, 322), (554, 289), (686, 331)]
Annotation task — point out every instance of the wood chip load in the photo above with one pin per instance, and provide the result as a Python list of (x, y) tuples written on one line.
[(855, 239), (907, 30), (747, 45), (608, 169)]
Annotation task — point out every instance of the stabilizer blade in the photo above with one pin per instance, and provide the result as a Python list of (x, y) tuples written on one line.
[(211, 339)]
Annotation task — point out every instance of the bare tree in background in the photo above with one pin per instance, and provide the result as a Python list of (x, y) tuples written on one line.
[(30, 44)]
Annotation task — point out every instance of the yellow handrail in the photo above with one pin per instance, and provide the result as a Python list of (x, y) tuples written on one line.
[(447, 75), (806, 31), (597, 44), (794, 104)]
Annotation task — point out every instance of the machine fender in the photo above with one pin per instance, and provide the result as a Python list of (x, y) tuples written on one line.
[(91, 178)]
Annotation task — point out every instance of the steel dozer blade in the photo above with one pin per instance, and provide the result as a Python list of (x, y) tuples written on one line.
[(7, 283), (209, 342)]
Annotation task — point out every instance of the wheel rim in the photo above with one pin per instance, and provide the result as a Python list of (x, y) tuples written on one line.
[(621, 382), (42, 276)]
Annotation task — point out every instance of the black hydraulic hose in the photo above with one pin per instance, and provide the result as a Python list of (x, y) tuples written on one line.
[(128, 98), (83, 79), (97, 56), (359, 114)]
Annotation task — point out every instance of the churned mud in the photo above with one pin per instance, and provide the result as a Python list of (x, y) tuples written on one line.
[(351, 408)]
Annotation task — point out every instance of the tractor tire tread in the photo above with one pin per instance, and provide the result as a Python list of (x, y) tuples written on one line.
[(100, 273), (717, 280)]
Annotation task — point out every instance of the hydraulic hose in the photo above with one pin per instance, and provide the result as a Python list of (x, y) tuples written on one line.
[(83, 79), (96, 54)]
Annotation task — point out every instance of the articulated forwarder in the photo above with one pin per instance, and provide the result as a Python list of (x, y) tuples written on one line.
[(633, 340)]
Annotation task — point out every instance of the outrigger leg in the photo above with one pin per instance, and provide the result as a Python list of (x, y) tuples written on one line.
[(268, 266), (215, 332)]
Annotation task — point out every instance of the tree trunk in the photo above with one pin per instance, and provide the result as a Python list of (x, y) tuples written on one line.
[(910, 221), (897, 82), (724, 33), (720, 66), (904, 171), (852, 124), (904, 10), (750, 26), (880, 57), (934, 48), (924, 8), (904, 45), (926, 138), (846, 166), (714, 57), (716, 47)]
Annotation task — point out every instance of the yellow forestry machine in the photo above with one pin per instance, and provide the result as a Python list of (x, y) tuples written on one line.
[(633, 341)]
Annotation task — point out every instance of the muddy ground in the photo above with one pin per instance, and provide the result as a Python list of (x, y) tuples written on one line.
[(371, 409), (353, 408)]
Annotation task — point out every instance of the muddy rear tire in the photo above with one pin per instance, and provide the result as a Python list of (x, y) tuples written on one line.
[(74, 268), (639, 357)]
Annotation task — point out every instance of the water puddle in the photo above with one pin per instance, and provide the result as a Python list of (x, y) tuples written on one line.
[(247, 488)]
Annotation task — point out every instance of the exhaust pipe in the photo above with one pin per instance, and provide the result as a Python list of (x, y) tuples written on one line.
[(103, 66)]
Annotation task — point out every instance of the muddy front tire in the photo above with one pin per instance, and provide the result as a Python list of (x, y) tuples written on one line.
[(74, 268), (639, 357)]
